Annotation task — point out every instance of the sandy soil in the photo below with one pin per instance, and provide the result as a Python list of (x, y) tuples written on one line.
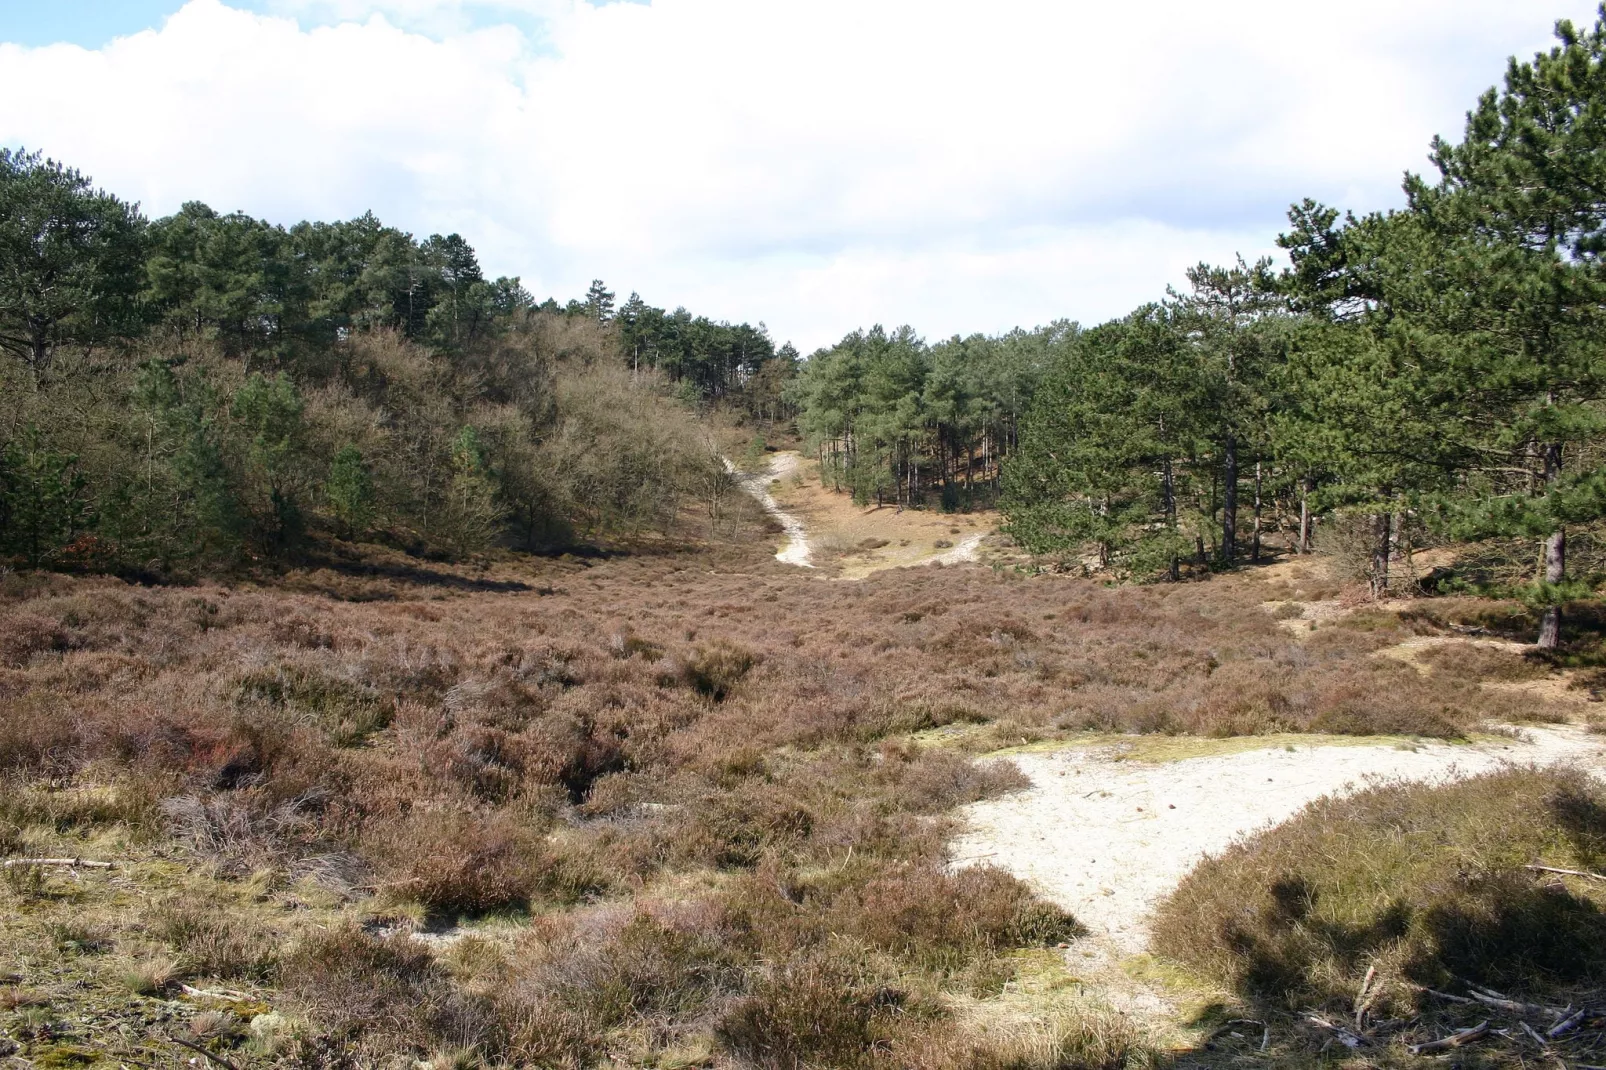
[(861, 540), (796, 550), (1107, 838)]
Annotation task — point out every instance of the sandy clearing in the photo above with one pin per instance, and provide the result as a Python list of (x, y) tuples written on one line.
[(966, 551), (1107, 839), (866, 539), (856, 541)]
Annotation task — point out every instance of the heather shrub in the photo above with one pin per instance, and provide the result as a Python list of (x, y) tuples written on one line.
[(943, 920), (1428, 884), (716, 669), (22, 635), (1083, 1039), (456, 862), (210, 941), (383, 989), (579, 979), (815, 1011)]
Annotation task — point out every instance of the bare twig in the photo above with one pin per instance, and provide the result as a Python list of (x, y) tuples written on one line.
[(1265, 1030), (1361, 1000), (216, 1058), (222, 993), (1454, 1040), (1568, 1024), (75, 863), (1537, 1039), (1447, 996), (1512, 1005), (1345, 1037), (1569, 872)]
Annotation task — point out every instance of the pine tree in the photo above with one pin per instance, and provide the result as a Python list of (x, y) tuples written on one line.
[(350, 490), (599, 302), (1233, 316), (43, 500)]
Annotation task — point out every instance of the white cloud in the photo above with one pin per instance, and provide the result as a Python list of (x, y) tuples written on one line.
[(819, 164)]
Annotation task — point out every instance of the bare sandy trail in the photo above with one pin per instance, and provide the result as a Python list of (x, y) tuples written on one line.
[(1107, 839), (796, 551)]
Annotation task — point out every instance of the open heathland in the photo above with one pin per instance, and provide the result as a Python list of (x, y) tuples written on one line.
[(672, 806)]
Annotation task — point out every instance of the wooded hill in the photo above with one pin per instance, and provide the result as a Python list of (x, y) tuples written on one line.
[(200, 390)]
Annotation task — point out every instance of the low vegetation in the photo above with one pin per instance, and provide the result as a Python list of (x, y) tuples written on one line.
[(655, 806), (1407, 912)]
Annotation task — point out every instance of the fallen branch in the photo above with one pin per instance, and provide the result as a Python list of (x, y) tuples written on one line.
[(1537, 1039), (75, 863), (1567, 1025), (1345, 1037), (1361, 1002), (1447, 996), (224, 994), (1569, 872), (1512, 1005), (210, 1055), (1454, 1040), (1227, 1026)]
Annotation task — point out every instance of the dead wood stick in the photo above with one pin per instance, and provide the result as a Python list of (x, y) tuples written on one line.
[(1512, 1005), (75, 863), (1454, 1040), (1568, 1024), (1539, 1040), (222, 993), (1447, 996), (1265, 1030), (1361, 1001), (1345, 1037), (216, 1058), (1569, 872)]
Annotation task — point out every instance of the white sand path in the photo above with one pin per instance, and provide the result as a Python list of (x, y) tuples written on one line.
[(959, 555), (1107, 839), (796, 551)]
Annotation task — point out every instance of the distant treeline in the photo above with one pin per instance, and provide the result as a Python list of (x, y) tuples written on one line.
[(1440, 369), (203, 389), (894, 419)]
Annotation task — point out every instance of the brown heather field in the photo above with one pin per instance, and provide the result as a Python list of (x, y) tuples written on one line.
[(680, 806)]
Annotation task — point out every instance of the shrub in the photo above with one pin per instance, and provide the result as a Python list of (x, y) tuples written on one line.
[(1427, 884), (818, 1011), (943, 920), (716, 669), (455, 862), (210, 941), (1083, 1039), (356, 984)]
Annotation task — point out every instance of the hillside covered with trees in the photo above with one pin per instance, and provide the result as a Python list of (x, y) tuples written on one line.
[(204, 389)]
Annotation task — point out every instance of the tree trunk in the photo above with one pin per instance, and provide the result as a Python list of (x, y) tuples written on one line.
[(1555, 571), (1174, 573), (1229, 502), (39, 342), (1555, 558), (1254, 553), (1378, 571), (1304, 516)]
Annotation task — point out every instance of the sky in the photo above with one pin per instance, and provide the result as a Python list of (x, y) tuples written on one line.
[(817, 165)]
